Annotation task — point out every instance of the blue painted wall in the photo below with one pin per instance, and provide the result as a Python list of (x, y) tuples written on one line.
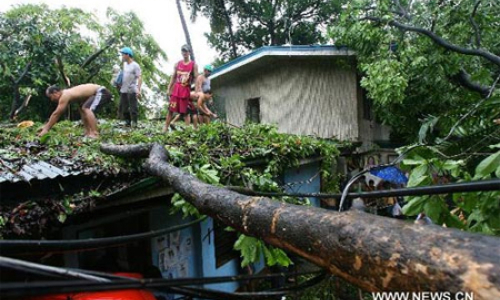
[(176, 254), (302, 174), (209, 268), (190, 252)]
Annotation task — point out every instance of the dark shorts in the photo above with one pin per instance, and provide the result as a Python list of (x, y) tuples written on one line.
[(192, 110), (102, 97), (178, 105), (201, 113)]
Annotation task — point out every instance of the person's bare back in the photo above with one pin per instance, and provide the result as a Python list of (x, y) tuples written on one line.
[(81, 93)]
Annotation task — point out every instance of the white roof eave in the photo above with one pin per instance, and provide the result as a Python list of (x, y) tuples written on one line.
[(271, 52)]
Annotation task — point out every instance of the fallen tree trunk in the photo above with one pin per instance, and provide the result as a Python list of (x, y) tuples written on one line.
[(374, 253)]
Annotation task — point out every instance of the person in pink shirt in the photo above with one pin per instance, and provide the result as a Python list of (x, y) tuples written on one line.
[(179, 87)]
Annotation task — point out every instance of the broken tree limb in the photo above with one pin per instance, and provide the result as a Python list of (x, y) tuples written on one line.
[(110, 42), (130, 151), (23, 106), (374, 253)]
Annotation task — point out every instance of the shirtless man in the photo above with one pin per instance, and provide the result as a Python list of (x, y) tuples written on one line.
[(202, 94), (90, 96)]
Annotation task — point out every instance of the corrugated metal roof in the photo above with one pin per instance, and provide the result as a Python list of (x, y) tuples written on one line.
[(38, 170), (293, 50)]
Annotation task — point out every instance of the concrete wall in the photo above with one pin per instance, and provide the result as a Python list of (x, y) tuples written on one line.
[(307, 97)]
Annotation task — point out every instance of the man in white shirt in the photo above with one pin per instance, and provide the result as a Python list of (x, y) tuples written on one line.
[(130, 90)]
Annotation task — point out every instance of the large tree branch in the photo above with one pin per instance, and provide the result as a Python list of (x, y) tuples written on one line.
[(21, 107), (16, 105), (372, 252), (464, 79), (92, 57), (23, 74), (402, 11), (477, 33), (60, 67), (440, 41), (130, 151)]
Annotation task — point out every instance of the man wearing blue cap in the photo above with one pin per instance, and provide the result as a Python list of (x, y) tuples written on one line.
[(130, 90)]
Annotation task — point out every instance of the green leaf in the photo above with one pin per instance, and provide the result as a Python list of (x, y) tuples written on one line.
[(433, 209), (44, 138), (487, 166), (413, 162), (249, 248), (62, 217), (453, 221), (417, 175), (415, 206)]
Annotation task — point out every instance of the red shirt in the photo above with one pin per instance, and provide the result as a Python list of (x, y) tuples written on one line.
[(185, 74)]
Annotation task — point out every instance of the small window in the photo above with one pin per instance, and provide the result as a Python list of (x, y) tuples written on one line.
[(224, 242), (253, 110)]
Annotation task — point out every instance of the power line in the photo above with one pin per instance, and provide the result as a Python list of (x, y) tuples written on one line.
[(20, 265), (30, 246), (23, 289), (471, 186)]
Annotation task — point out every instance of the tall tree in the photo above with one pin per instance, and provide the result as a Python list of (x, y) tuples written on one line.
[(185, 28), (40, 46), (263, 23), (427, 62), (219, 14), (432, 69)]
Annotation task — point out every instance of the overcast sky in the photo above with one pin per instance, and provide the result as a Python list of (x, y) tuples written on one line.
[(160, 18)]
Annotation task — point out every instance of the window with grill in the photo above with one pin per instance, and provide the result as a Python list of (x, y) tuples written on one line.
[(224, 241), (253, 110)]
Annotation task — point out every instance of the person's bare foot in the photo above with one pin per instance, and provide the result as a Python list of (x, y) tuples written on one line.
[(496, 121)]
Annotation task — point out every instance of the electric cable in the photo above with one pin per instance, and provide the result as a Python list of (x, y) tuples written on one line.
[(30, 246), (17, 264), (23, 289), (458, 187)]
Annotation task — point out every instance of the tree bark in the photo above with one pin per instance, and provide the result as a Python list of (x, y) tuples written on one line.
[(374, 253), (92, 57), (16, 101), (229, 25), (185, 28), (464, 79), (441, 41)]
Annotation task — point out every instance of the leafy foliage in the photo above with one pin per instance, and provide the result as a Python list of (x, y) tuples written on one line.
[(215, 153), (432, 70), (240, 25), (476, 212), (419, 59), (38, 44)]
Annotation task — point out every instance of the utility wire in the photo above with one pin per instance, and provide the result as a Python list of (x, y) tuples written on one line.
[(61, 287), (471, 186), (20, 265), (30, 246)]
